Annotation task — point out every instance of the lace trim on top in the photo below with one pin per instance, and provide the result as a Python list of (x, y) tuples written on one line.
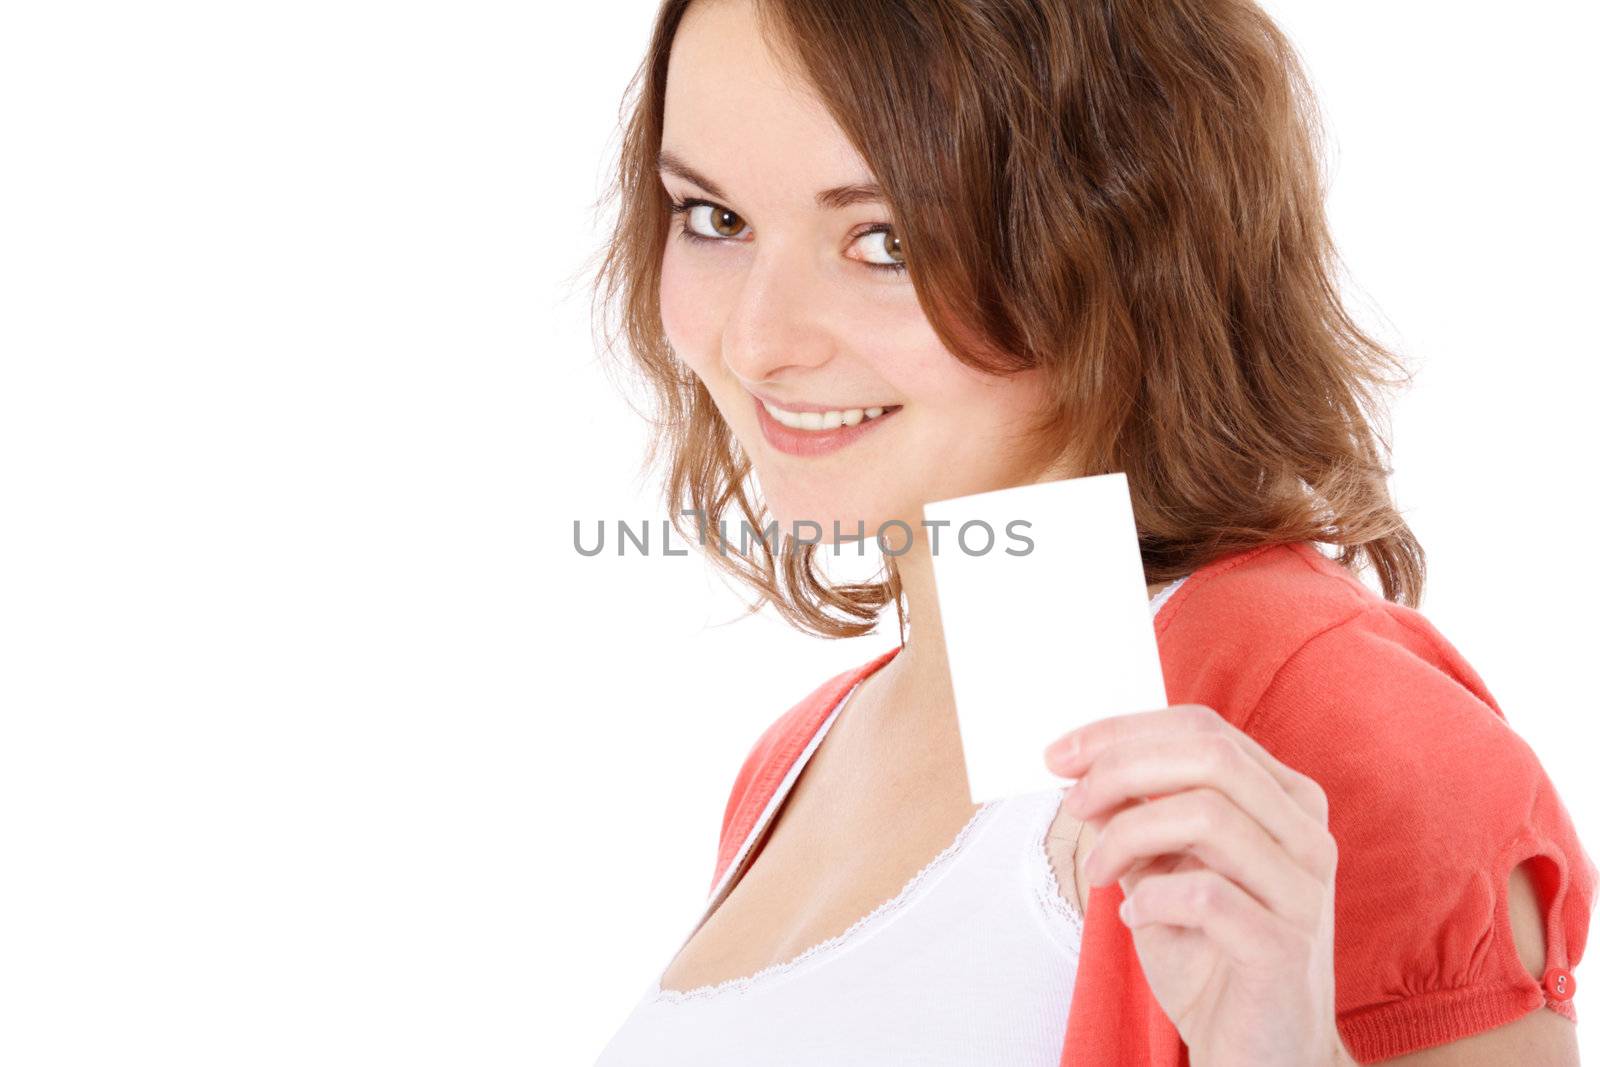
[(1046, 888), (859, 928)]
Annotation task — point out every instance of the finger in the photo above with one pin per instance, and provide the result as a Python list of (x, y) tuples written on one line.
[(1207, 825), (1071, 754), (1202, 899), (1152, 766)]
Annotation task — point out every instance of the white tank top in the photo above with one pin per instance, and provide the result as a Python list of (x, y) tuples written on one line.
[(971, 963)]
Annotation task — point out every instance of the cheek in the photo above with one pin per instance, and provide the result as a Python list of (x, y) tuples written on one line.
[(689, 314), (930, 376), (910, 355), (976, 422)]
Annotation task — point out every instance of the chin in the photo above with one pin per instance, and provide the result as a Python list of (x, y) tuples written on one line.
[(854, 524), (787, 518)]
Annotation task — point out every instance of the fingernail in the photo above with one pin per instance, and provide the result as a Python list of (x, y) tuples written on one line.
[(1063, 750)]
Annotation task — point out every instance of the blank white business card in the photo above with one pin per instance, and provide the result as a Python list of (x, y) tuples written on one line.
[(1046, 621)]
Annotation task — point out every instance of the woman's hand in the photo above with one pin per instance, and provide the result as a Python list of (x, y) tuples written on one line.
[(1227, 867)]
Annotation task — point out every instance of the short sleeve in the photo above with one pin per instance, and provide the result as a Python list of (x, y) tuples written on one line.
[(1433, 801)]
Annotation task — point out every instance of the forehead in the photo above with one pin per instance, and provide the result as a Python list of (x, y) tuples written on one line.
[(738, 116)]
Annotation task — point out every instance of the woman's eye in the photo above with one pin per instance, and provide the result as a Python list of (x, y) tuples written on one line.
[(890, 247), (709, 221), (705, 221), (723, 223)]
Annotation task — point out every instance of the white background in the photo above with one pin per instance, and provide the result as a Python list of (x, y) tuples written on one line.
[(320, 744)]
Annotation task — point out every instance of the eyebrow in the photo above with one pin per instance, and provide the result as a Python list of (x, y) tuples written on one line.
[(836, 198)]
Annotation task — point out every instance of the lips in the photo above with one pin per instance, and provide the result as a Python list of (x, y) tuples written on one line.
[(796, 441)]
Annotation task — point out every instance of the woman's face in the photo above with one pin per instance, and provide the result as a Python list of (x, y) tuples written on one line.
[(797, 301)]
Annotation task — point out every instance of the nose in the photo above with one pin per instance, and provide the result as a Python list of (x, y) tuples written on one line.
[(778, 325)]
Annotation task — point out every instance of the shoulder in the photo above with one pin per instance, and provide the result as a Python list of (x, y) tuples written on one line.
[(1250, 631), (1443, 815), (1232, 625), (1370, 699), (1381, 702)]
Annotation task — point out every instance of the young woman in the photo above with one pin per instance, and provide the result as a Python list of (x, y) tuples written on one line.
[(873, 253)]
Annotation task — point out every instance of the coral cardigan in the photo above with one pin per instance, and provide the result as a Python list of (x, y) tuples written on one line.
[(1433, 800)]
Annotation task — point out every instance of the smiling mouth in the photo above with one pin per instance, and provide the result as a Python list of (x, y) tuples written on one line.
[(824, 420)]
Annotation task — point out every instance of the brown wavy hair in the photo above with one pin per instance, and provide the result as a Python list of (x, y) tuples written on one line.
[(1127, 193)]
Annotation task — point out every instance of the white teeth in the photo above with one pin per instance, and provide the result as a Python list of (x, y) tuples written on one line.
[(821, 420)]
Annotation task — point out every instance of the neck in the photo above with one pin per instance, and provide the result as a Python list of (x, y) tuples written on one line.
[(921, 665)]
